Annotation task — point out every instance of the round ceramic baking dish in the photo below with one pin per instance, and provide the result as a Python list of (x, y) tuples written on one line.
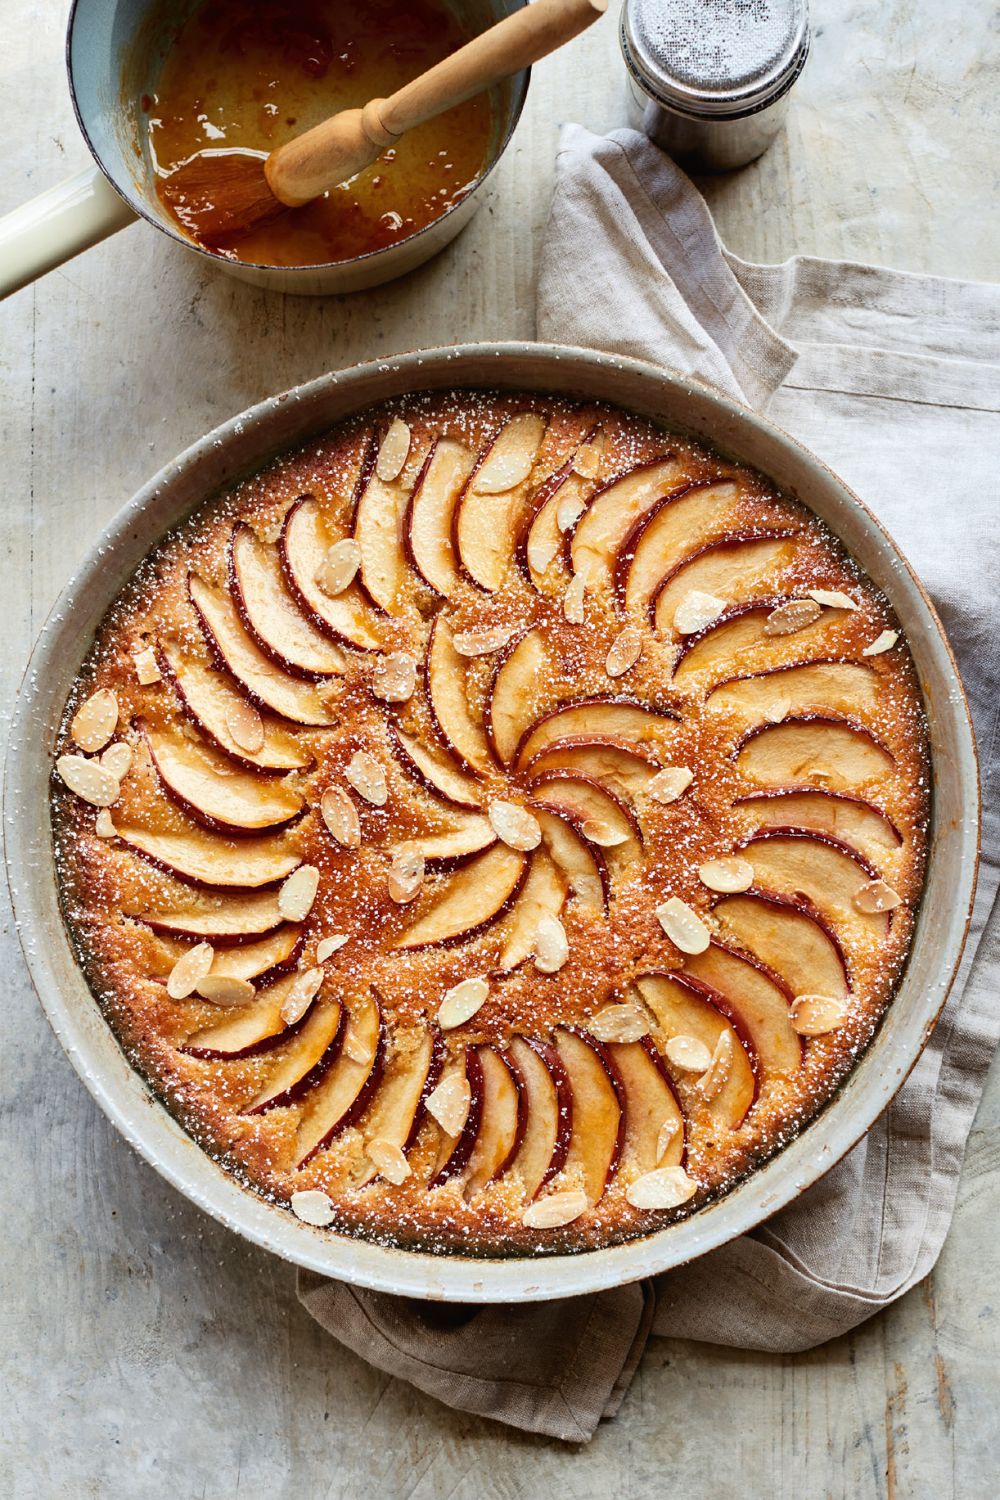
[(240, 446)]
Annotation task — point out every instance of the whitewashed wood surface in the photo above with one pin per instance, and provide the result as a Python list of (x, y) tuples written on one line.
[(147, 1351)]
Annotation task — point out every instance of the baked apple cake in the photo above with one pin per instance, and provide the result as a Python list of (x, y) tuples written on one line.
[(496, 826)]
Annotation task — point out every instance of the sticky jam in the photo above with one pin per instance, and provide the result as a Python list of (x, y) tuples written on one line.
[(252, 75)]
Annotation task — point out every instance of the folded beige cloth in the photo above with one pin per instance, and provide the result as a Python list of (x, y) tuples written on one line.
[(894, 379)]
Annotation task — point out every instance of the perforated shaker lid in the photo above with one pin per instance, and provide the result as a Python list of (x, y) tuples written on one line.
[(716, 57)]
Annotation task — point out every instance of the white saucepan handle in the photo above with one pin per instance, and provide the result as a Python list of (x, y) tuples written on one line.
[(57, 225)]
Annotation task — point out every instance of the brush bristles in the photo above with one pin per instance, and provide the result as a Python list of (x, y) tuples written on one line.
[(218, 195)]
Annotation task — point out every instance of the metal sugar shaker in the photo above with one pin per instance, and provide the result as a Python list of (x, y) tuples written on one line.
[(709, 79)]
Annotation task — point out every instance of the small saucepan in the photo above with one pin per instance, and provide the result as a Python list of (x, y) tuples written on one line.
[(114, 52)]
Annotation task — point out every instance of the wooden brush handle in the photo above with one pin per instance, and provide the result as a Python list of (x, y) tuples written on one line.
[(348, 142)]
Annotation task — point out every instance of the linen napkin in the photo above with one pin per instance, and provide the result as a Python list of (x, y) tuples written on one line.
[(894, 380)]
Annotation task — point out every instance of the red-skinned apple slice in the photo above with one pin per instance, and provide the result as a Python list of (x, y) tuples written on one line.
[(445, 850), (252, 1029), (343, 1094), (548, 1113), (600, 721), (850, 818), (468, 900), (612, 512), (460, 729), (816, 865), (210, 700), (309, 1054), (428, 526), (435, 769), (733, 566), (304, 543), (206, 859), (220, 920), (684, 1007), (264, 684), (589, 805), (650, 1104), (502, 1125), (678, 524), (582, 864), (379, 523), (842, 687), (756, 1001), (541, 534), (622, 768), (205, 785), (542, 895), (837, 755), (395, 1111), (598, 1132), (510, 706), (740, 629), (791, 936), (456, 1150), (260, 961), (270, 614), (487, 511)]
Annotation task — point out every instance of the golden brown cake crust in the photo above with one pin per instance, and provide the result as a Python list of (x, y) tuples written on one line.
[(809, 782)]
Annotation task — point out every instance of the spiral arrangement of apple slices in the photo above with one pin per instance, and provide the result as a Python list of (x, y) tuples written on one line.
[(634, 705)]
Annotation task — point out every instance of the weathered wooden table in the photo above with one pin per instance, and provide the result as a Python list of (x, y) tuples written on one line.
[(149, 1352)]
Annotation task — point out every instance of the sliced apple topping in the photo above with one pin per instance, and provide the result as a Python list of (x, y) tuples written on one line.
[(304, 1056), (832, 754), (89, 780), (883, 642), (511, 700), (460, 729), (206, 859), (305, 547), (257, 1027), (313, 1207), (436, 770), (477, 894), (379, 523), (623, 769), (488, 509), (680, 521), (219, 919), (619, 1023), (852, 819), (756, 1000), (341, 1096), (790, 936), (624, 651), (788, 619), (600, 816), (260, 960), (826, 872), (654, 1123), (732, 567), (541, 900), (740, 631), (511, 456), (683, 1006), (551, 945), (816, 1015), (429, 523), (95, 721), (462, 1002), (515, 826), (599, 721), (611, 515), (341, 817), (456, 1149), (392, 1123), (683, 926), (207, 787), (727, 874), (367, 778), (548, 1113), (224, 716), (598, 1131), (582, 866), (469, 837), (266, 684), (839, 686), (296, 897), (271, 615), (556, 1210), (667, 1187), (502, 1123), (406, 876), (188, 970), (563, 493)]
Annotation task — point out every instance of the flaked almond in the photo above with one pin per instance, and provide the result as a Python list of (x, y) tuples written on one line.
[(603, 834), (572, 603), (189, 969), (541, 552), (618, 1023), (117, 759), (388, 1160), (355, 1049), (551, 946), (568, 512), (367, 778), (511, 456), (341, 817), (89, 780), (814, 1015), (246, 726), (683, 927), (832, 598), (624, 652), (95, 721), (395, 677), (883, 642), (336, 572), (727, 875), (778, 710), (696, 610), (555, 1210), (669, 1131), (406, 875), (514, 825), (482, 642), (786, 619), (716, 1075), (393, 451), (587, 460), (301, 994), (876, 896), (147, 668), (687, 1053), (328, 946), (462, 1002), (312, 1207), (104, 825), (449, 1103), (666, 1187), (669, 784), (298, 893), (225, 989)]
